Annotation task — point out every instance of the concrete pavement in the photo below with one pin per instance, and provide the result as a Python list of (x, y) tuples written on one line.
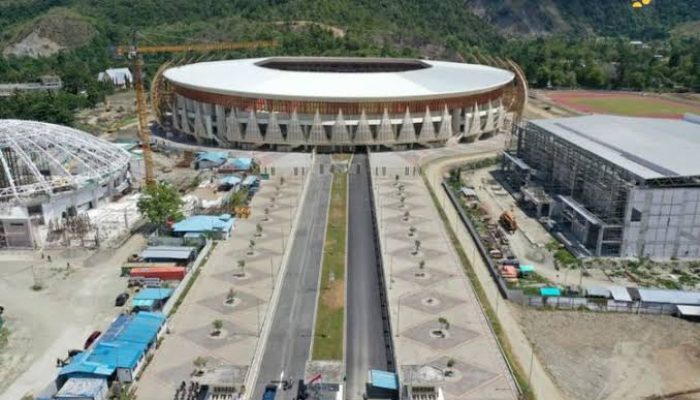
[(437, 320), (365, 346), (288, 345)]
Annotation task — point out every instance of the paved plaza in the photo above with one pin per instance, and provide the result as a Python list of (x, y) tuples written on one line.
[(252, 284), (435, 315)]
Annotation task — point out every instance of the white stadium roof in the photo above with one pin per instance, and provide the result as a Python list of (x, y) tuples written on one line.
[(259, 78), (37, 157), (647, 147)]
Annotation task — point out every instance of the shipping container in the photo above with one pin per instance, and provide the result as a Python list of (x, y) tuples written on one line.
[(163, 273)]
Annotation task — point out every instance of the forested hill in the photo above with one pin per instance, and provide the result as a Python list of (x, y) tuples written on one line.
[(567, 43)]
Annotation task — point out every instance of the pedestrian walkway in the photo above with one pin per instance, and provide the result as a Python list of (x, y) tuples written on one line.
[(234, 287)]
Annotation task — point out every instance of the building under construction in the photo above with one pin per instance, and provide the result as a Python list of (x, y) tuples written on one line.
[(613, 186)]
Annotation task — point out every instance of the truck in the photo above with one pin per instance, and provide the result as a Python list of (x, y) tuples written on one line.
[(508, 222)]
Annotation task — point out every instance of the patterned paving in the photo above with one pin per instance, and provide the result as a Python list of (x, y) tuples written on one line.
[(454, 336)]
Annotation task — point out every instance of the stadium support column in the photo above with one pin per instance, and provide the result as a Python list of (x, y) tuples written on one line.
[(457, 121), (339, 133), (385, 133), (427, 130), (295, 135), (363, 135)]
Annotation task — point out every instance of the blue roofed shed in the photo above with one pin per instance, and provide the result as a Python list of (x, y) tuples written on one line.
[(177, 254), (150, 299), (210, 159), (122, 347), (220, 225)]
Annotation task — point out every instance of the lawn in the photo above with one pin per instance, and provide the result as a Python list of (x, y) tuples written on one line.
[(634, 106), (627, 104), (328, 336)]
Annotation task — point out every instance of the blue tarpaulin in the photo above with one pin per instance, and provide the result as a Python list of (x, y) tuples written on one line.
[(240, 163), (230, 180), (526, 269), (249, 180), (550, 292)]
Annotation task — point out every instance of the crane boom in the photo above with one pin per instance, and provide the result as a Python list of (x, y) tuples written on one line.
[(135, 51), (199, 47)]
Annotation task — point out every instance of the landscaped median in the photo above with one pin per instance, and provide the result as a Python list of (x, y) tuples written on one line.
[(330, 312)]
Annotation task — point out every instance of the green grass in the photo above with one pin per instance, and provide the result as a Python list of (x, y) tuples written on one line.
[(635, 106), (328, 336), (518, 370)]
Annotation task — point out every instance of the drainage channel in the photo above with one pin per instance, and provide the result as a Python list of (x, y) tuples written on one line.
[(369, 343)]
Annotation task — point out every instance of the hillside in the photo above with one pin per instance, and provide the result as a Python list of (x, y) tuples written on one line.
[(586, 17), (559, 43)]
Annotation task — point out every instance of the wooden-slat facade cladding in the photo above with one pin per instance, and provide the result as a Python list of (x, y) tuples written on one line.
[(332, 108)]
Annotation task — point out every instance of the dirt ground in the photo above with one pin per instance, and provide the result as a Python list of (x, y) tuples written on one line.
[(45, 324), (616, 356)]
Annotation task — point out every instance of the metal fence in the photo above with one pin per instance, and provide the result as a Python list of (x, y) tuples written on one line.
[(598, 305)]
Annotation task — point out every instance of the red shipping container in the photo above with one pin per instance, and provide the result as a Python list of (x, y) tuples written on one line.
[(163, 273)]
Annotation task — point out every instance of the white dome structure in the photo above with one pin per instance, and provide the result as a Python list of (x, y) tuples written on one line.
[(41, 158), (50, 172)]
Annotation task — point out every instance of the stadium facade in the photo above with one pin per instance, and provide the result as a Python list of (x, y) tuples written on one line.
[(337, 103)]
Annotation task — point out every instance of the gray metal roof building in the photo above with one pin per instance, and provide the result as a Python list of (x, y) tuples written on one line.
[(622, 186)]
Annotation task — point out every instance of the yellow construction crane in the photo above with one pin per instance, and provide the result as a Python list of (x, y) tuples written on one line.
[(135, 52)]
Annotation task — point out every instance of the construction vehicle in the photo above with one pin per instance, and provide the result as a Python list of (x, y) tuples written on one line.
[(508, 222), (135, 52)]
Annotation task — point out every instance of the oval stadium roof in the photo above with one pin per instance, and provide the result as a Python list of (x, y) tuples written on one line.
[(339, 79), (37, 157)]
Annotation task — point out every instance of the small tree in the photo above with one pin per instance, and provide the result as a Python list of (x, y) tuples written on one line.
[(258, 230), (241, 266), (200, 362), (231, 296), (406, 216), (444, 323), (266, 211), (450, 363), (282, 181), (160, 203), (417, 244), (412, 230), (403, 201), (396, 179), (217, 324), (251, 245), (421, 264)]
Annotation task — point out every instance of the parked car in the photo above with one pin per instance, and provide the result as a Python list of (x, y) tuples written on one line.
[(121, 299), (91, 339)]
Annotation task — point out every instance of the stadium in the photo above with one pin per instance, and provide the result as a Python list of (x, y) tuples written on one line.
[(51, 173), (285, 103)]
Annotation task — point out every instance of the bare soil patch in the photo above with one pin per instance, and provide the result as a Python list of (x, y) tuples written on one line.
[(615, 356), (334, 296)]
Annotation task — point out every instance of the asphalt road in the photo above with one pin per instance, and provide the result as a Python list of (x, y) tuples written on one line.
[(288, 345), (364, 335)]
